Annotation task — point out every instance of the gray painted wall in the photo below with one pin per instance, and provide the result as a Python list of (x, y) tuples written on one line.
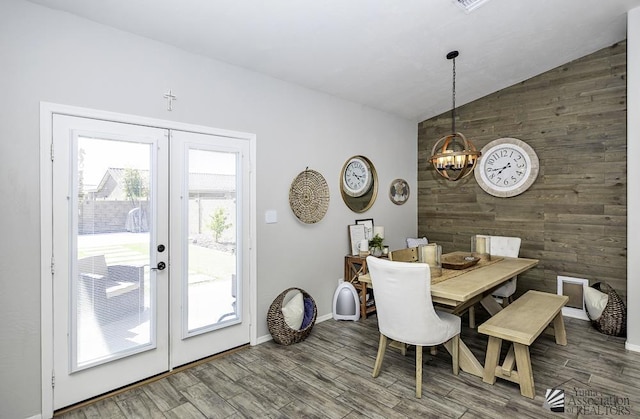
[(55, 57)]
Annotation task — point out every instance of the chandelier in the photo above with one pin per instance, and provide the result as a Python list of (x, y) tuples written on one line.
[(453, 156)]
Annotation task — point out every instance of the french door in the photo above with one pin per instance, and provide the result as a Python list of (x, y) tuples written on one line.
[(150, 252)]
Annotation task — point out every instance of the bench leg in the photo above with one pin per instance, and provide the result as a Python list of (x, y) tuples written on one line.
[(509, 362), (525, 373), (558, 328), (491, 360)]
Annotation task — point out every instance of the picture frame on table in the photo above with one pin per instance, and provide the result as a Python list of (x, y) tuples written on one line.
[(356, 235), (368, 227)]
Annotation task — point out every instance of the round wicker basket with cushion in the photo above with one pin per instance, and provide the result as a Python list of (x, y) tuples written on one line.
[(613, 320), (279, 329)]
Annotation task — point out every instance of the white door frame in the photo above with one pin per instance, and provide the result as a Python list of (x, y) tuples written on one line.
[(47, 110)]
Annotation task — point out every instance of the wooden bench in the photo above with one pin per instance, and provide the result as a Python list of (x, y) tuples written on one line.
[(521, 323)]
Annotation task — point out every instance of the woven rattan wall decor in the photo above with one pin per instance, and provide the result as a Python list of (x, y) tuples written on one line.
[(309, 196)]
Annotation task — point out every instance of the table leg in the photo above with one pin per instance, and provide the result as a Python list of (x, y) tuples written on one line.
[(491, 305), (468, 362), (362, 287)]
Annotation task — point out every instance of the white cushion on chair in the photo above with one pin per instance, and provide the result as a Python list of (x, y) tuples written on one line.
[(506, 290), (421, 241)]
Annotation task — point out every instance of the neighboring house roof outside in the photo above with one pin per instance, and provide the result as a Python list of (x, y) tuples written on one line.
[(207, 182), (112, 184)]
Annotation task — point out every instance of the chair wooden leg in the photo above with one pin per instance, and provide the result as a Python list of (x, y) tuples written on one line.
[(419, 371), (472, 317), (455, 354), (382, 347)]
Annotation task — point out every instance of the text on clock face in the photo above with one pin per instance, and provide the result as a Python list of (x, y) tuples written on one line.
[(355, 175), (505, 166)]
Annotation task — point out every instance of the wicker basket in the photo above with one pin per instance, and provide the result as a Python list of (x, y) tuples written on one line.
[(279, 329), (613, 320)]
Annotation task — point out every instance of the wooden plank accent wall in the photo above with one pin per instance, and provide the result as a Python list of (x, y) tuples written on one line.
[(574, 216)]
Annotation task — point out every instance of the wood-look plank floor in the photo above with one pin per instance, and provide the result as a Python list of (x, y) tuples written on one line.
[(329, 376)]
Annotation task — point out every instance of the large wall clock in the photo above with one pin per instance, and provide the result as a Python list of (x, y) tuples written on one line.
[(358, 183), (356, 176), (507, 168)]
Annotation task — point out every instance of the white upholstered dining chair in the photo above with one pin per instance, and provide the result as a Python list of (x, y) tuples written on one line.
[(406, 313)]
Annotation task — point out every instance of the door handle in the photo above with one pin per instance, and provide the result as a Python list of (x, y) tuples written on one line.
[(161, 266)]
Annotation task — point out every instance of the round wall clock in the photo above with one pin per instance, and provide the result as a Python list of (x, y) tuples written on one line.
[(507, 168), (356, 176), (358, 183)]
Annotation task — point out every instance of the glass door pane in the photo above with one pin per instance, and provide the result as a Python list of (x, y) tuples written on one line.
[(211, 270), (209, 191), (108, 220), (112, 296)]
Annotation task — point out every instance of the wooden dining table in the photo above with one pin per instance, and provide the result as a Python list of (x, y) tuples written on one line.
[(457, 291)]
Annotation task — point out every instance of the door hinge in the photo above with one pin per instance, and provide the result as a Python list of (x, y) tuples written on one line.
[(53, 265), (53, 379), (51, 152)]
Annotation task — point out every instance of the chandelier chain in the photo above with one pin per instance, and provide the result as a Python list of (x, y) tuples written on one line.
[(453, 99)]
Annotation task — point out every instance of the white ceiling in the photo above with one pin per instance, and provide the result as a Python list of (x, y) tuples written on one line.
[(387, 54)]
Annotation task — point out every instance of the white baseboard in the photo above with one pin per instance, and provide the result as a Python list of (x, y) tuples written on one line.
[(575, 313), (38, 416), (324, 318), (267, 338), (263, 339), (631, 347)]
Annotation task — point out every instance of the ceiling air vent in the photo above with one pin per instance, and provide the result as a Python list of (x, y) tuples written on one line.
[(470, 5)]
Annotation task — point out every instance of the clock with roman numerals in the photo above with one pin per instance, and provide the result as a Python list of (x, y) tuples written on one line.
[(507, 168)]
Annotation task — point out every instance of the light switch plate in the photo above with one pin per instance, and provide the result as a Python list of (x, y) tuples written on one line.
[(271, 216)]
